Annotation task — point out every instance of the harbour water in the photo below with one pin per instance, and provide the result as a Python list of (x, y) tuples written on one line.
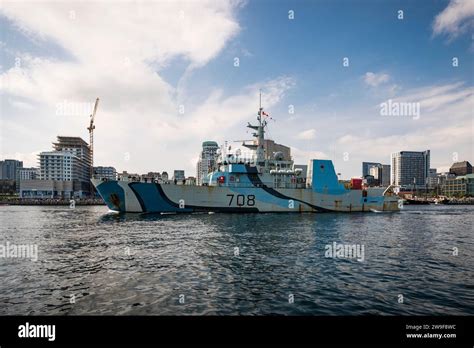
[(89, 261)]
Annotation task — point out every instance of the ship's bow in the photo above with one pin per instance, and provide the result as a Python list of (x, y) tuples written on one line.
[(111, 192)]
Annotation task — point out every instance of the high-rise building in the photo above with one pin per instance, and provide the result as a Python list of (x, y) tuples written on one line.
[(207, 161), (385, 180), (410, 167), (63, 172), (461, 168), (9, 169), (80, 149), (61, 165), (366, 167), (59, 177), (376, 173), (432, 179), (381, 174)]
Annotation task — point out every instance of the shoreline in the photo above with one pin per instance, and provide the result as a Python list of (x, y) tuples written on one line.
[(52, 202), (90, 202)]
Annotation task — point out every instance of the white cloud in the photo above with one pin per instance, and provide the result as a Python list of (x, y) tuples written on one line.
[(139, 31), (445, 127), (118, 51), (28, 159), (301, 156), (349, 133), (218, 112), (437, 97), (374, 79), (455, 19), (21, 105), (307, 134)]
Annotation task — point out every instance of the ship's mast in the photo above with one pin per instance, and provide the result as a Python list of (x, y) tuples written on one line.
[(261, 136), (259, 147)]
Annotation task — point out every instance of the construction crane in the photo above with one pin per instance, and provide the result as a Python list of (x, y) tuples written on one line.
[(91, 138)]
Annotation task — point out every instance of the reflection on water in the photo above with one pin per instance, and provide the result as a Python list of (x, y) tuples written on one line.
[(94, 262)]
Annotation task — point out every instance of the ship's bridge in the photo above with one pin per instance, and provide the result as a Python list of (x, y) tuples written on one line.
[(245, 175)]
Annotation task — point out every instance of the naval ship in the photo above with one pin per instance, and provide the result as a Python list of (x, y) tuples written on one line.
[(263, 183)]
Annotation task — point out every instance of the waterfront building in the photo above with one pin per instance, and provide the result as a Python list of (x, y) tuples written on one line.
[(63, 173), (126, 176), (178, 175), (9, 169), (376, 173), (442, 177), (380, 174), (461, 168), (109, 173), (7, 187), (207, 161), (366, 167), (28, 174), (470, 184), (385, 180), (455, 186), (59, 165), (432, 179), (191, 180), (459, 186), (409, 168), (82, 155), (63, 189), (60, 176), (151, 177)]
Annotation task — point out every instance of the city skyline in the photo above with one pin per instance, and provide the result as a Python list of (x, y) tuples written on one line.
[(364, 172), (165, 97)]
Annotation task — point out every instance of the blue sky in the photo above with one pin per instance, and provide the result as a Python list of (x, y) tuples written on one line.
[(311, 47), (145, 61)]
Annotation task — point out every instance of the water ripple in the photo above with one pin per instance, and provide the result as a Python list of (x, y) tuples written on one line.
[(94, 262)]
